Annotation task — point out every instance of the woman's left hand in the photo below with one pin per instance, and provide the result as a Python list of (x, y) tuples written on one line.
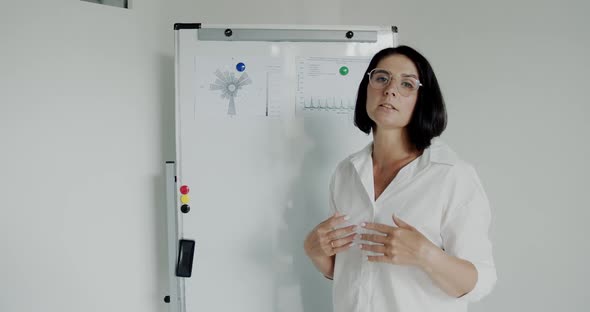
[(403, 245)]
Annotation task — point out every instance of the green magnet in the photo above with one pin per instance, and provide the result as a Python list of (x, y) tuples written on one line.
[(343, 70)]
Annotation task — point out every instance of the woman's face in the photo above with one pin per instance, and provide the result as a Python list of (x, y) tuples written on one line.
[(387, 107)]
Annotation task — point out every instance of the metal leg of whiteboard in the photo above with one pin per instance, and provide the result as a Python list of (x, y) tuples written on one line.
[(176, 285)]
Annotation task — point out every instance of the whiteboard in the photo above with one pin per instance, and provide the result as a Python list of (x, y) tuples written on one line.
[(263, 115)]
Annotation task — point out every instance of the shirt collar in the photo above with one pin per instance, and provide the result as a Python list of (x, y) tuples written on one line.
[(438, 152)]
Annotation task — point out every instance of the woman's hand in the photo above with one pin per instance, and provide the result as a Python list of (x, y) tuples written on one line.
[(325, 240), (405, 245), (402, 245)]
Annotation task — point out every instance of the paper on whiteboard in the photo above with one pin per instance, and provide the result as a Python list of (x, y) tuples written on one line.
[(225, 91), (329, 84)]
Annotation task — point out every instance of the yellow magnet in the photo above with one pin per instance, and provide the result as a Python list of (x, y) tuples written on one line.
[(185, 199)]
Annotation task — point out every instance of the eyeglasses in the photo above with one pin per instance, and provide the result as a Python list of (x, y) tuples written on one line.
[(381, 78)]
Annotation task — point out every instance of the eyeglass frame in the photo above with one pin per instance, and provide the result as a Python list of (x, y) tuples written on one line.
[(391, 78)]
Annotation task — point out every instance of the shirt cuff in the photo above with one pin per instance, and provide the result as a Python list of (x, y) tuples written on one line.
[(486, 279)]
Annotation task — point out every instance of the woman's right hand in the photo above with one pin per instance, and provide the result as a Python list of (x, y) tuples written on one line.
[(325, 240)]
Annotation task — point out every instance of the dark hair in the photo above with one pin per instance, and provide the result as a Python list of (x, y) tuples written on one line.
[(429, 118)]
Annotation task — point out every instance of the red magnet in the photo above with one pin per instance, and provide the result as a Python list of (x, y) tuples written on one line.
[(184, 189)]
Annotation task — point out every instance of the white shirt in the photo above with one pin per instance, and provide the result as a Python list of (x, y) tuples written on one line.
[(442, 197)]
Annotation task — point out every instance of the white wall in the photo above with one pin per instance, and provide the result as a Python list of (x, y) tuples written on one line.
[(86, 104), (82, 114)]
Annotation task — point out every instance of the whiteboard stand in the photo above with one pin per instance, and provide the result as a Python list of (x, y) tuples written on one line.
[(173, 298)]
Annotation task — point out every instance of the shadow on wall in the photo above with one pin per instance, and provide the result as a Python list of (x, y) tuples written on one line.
[(166, 83), (302, 288)]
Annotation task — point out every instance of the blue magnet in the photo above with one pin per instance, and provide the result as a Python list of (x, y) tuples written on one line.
[(241, 67)]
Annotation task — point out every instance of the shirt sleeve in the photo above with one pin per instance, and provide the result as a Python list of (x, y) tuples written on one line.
[(464, 232)]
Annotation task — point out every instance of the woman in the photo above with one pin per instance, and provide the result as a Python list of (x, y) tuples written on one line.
[(409, 230)]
